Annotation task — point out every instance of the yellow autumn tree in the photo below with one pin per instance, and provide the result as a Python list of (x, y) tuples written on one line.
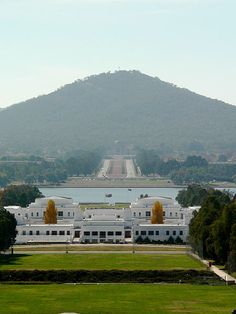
[(50, 216), (157, 213)]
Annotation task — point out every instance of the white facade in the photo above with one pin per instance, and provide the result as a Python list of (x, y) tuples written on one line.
[(100, 225)]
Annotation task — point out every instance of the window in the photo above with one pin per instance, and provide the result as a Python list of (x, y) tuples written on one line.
[(87, 233), (139, 214), (182, 216), (94, 233), (61, 232), (167, 232), (54, 232), (47, 232), (37, 232), (150, 232), (37, 214), (118, 233), (118, 216), (176, 214), (164, 213), (157, 232), (170, 214), (137, 232), (32, 214), (110, 233), (134, 214), (68, 232), (60, 213), (148, 213), (23, 232), (31, 232), (143, 232), (68, 214), (174, 232), (181, 232), (102, 234)]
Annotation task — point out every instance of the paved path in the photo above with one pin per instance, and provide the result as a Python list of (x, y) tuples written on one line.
[(130, 168), (118, 168), (226, 277), (222, 274), (103, 171)]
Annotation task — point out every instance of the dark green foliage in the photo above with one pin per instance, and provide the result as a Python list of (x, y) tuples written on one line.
[(170, 240), (194, 195), (82, 163), (139, 276), (195, 161), (127, 106), (217, 172), (178, 240), (212, 231), (21, 195), (194, 169), (7, 229), (36, 170), (148, 161), (32, 172), (146, 240), (231, 262)]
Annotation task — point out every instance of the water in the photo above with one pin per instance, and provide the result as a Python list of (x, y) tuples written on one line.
[(85, 195)]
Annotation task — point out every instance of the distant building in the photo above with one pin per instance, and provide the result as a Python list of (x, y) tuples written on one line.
[(100, 225)]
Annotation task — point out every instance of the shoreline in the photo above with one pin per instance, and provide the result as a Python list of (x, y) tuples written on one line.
[(114, 185)]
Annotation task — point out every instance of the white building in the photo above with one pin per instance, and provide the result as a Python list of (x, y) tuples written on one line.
[(100, 225)]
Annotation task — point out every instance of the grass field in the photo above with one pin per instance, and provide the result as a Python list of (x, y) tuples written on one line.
[(104, 205), (99, 261), (108, 298), (106, 247)]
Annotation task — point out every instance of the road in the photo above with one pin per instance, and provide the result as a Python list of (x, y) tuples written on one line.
[(117, 167)]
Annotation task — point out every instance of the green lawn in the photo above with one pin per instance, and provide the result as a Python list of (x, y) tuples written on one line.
[(99, 261), (105, 247), (122, 298), (104, 205)]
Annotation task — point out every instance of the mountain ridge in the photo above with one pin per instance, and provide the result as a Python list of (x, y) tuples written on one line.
[(125, 105)]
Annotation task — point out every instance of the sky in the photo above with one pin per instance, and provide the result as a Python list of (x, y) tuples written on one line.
[(45, 44)]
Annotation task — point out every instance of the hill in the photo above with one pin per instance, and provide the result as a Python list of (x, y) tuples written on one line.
[(128, 106)]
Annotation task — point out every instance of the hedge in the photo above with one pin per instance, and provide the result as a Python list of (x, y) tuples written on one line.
[(109, 276)]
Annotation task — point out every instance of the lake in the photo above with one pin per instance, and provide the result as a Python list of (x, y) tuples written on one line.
[(123, 195), (84, 195)]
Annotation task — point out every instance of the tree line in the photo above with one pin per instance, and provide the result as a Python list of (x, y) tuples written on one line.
[(34, 170), (212, 230), (192, 169), (21, 195)]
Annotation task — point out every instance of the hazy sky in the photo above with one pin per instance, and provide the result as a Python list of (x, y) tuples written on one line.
[(48, 43)]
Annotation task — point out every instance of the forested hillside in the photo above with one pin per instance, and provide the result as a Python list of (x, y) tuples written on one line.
[(125, 106)]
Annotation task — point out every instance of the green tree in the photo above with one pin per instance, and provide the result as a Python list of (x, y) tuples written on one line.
[(21, 195), (231, 263), (200, 233), (195, 161), (194, 195), (7, 229)]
